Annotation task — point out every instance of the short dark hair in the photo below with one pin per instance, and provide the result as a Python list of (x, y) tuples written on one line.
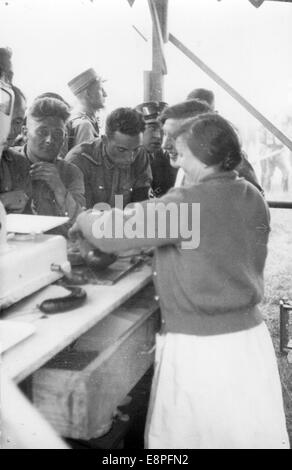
[(47, 107), (125, 120), (202, 94), (213, 140), (184, 110)]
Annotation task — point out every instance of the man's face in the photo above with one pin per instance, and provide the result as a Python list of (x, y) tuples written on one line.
[(122, 149), (45, 137), (152, 136), (17, 121), (168, 143), (96, 95)]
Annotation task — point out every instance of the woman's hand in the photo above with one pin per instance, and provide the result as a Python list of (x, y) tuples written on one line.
[(80, 227), (14, 201)]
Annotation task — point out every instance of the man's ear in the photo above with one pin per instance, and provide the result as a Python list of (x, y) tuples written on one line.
[(87, 93)]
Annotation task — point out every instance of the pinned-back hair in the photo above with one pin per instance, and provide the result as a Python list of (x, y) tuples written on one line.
[(184, 110), (48, 107), (213, 140)]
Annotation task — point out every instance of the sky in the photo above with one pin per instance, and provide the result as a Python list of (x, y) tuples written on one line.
[(250, 48)]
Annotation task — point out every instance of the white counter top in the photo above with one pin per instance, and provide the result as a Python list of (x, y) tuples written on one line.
[(55, 332)]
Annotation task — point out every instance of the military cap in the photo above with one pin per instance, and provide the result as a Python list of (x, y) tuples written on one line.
[(84, 79), (151, 110)]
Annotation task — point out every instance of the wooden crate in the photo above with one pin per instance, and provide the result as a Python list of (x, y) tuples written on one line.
[(79, 390)]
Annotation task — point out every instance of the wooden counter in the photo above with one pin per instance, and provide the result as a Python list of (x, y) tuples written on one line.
[(55, 332), (83, 363)]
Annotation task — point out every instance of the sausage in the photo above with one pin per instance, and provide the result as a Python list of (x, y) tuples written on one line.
[(62, 304)]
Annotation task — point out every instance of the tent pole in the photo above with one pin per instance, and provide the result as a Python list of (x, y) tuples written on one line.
[(251, 109), (154, 79)]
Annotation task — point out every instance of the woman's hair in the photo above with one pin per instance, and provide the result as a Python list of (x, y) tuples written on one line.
[(125, 120), (184, 110), (48, 107), (213, 140)]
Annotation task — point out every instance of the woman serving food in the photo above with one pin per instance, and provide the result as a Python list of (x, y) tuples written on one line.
[(216, 382)]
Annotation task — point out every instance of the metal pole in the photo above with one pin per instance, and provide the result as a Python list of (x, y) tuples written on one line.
[(280, 204), (154, 79)]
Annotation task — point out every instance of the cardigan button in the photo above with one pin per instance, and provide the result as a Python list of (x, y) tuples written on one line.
[(156, 297), (154, 273)]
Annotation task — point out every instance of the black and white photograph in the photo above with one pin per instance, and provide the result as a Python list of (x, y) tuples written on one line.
[(145, 227)]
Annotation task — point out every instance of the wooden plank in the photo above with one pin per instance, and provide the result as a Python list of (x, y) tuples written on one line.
[(154, 80), (158, 11), (162, 12), (125, 431), (55, 332), (80, 389), (114, 326), (153, 86), (22, 426)]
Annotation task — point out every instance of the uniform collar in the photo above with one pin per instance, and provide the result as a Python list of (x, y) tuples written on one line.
[(81, 112), (95, 152), (6, 155), (108, 164)]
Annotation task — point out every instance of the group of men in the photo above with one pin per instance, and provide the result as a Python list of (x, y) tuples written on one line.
[(58, 163)]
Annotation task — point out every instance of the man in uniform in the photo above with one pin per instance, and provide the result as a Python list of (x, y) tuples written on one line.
[(117, 163), (35, 180), (173, 117), (163, 173), (83, 125), (18, 116), (14, 176), (170, 120)]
